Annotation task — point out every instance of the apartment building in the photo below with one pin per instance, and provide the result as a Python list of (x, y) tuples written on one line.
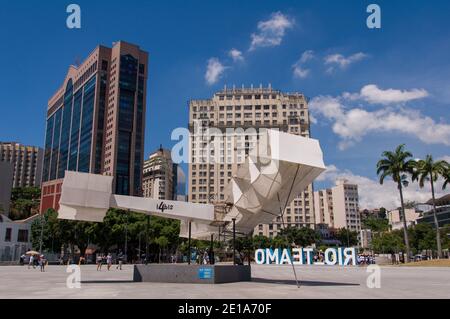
[(26, 161), (160, 176), (338, 207), (230, 121), (96, 121)]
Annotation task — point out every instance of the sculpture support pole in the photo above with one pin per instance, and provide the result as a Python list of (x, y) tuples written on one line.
[(234, 241), (189, 244), (282, 218)]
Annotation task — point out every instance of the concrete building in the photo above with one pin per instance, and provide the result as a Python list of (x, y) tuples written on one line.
[(365, 238), (6, 181), (15, 237), (96, 121), (338, 206), (396, 220), (236, 115), (27, 163), (160, 176), (442, 212)]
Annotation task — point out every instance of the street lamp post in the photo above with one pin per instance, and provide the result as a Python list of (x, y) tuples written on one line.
[(126, 235), (42, 233)]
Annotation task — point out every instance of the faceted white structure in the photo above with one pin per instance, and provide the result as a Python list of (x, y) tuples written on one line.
[(88, 197), (281, 167)]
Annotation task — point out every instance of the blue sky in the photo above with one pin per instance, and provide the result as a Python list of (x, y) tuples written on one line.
[(396, 76)]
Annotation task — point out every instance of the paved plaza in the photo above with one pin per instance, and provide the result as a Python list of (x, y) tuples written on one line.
[(268, 282)]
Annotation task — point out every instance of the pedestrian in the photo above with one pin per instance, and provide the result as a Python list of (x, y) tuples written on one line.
[(109, 260), (99, 262), (120, 260), (31, 262), (42, 263), (22, 260)]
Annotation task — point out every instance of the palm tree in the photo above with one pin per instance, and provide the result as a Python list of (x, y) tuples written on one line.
[(397, 165), (429, 170), (446, 177)]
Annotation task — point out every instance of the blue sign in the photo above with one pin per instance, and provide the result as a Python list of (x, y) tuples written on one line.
[(205, 273)]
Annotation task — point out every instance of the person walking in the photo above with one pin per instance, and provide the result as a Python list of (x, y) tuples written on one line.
[(31, 262), (109, 261), (120, 260), (99, 262), (42, 262)]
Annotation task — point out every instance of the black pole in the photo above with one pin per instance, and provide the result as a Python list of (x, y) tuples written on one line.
[(147, 239), (234, 241), (189, 244), (211, 250)]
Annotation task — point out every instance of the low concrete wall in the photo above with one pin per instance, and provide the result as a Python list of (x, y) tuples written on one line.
[(198, 274)]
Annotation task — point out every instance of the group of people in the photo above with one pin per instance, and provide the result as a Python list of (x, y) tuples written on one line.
[(366, 259), (108, 260), (35, 261)]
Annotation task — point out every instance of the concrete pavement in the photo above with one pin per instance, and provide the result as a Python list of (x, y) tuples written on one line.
[(269, 281)]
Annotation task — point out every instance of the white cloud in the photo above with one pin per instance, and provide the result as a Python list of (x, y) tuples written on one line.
[(353, 124), (372, 94), (214, 71), (271, 32), (306, 56), (299, 72), (236, 55), (338, 60), (374, 195)]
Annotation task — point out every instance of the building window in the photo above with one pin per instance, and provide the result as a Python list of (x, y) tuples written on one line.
[(22, 236), (8, 234)]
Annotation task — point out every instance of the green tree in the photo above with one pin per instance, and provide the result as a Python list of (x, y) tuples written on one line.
[(25, 202), (347, 237), (446, 177), (422, 237), (303, 236), (397, 165), (388, 242), (428, 170), (261, 241), (376, 224)]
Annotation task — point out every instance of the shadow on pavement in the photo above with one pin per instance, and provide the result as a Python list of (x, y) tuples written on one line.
[(302, 282), (106, 281)]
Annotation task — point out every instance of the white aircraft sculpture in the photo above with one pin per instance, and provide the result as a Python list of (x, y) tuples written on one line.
[(280, 168)]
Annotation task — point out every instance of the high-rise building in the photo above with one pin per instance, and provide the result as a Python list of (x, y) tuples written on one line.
[(249, 109), (6, 178), (160, 176), (338, 207), (27, 163), (95, 121)]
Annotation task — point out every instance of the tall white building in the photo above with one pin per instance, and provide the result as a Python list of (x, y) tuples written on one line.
[(236, 115), (27, 163), (338, 207), (159, 176)]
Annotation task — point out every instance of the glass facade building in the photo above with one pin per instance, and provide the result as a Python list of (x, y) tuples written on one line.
[(95, 122)]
